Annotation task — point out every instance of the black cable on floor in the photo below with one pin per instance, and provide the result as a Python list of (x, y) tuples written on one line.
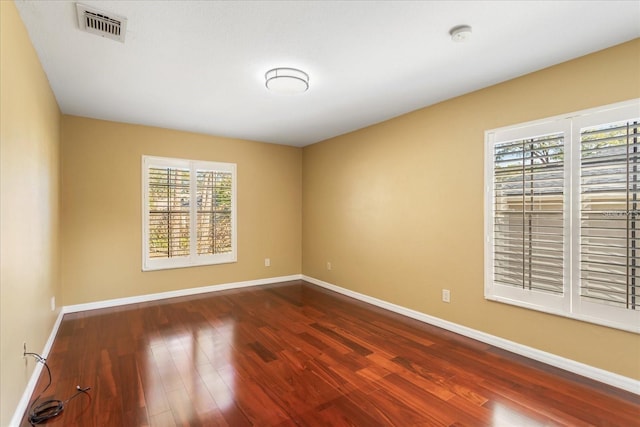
[(49, 408)]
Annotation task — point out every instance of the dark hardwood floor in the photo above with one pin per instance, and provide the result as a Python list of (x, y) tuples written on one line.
[(294, 354)]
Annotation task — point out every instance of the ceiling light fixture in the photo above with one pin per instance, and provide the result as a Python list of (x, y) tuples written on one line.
[(461, 33), (287, 81)]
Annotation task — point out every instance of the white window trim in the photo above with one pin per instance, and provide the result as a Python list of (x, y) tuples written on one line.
[(193, 259), (570, 304)]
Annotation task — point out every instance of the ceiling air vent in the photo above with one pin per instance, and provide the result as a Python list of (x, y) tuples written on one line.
[(101, 23)]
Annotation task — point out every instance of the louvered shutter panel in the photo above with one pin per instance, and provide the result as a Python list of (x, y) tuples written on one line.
[(168, 215), (609, 213), (528, 214), (214, 190)]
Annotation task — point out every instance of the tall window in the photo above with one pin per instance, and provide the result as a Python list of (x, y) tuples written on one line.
[(189, 213), (562, 219)]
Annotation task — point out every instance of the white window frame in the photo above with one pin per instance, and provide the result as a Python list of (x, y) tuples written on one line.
[(193, 259), (570, 303)]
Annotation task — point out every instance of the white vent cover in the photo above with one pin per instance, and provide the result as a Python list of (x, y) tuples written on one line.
[(101, 23)]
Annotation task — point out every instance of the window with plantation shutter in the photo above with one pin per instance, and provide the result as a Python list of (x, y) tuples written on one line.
[(188, 213), (562, 215)]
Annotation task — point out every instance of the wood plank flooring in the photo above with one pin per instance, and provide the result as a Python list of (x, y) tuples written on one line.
[(294, 354)]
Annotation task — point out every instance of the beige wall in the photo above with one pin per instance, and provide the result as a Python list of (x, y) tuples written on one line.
[(397, 208), (102, 217), (29, 150)]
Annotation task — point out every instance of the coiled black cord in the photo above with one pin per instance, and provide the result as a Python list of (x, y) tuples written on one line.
[(49, 408)]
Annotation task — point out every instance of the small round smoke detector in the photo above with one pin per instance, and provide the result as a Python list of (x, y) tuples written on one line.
[(461, 33)]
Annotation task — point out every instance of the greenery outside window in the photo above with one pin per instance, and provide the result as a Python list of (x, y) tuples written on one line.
[(189, 213)]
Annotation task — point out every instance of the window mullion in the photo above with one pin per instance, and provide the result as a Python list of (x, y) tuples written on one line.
[(572, 215), (629, 212), (524, 216), (632, 189), (169, 216), (193, 211)]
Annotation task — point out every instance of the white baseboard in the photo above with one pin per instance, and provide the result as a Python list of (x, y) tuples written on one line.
[(33, 380), (606, 377), (173, 294)]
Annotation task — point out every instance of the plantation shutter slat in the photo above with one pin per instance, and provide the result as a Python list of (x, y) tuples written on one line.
[(528, 212), (609, 213)]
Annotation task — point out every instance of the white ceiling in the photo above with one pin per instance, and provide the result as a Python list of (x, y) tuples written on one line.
[(199, 65)]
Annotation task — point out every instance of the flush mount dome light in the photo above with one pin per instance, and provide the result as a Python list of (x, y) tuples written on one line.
[(287, 81)]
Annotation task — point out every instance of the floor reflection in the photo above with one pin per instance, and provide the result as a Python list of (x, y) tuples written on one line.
[(504, 416), (189, 372), (216, 346)]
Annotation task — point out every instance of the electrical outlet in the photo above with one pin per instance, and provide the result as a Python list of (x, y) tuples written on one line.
[(328, 265), (446, 295), (267, 262), (53, 303)]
